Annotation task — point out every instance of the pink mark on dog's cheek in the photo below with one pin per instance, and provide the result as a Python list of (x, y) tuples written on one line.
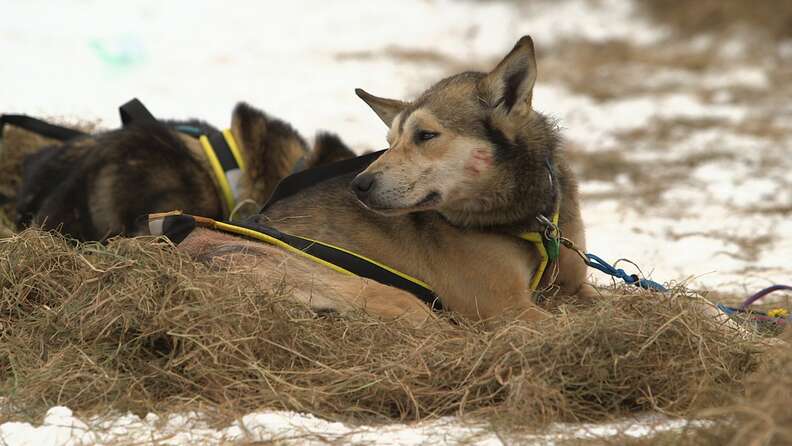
[(472, 170), (479, 161)]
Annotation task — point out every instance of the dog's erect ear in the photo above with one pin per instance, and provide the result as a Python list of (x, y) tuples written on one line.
[(386, 109), (328, 148), (249, 124), (271, 148), (510, 84)]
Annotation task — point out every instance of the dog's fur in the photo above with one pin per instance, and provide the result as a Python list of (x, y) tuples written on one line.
[(465, 174), (100, 185)]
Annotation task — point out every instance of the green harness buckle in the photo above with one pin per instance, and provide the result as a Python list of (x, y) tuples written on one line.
[(553, 248)]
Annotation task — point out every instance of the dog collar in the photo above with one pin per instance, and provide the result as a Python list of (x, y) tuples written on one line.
[(548, 245), (225, 159), (227, 164), (548, 240)]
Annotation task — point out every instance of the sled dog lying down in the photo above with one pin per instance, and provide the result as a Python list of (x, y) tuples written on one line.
[(470, 169)]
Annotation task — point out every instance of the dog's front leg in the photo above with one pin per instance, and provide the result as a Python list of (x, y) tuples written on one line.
[(315, 285)]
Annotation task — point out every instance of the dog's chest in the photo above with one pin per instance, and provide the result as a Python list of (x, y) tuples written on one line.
[(484, 274)]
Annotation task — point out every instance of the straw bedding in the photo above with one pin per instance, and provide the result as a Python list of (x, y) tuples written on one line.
[(135, 325)]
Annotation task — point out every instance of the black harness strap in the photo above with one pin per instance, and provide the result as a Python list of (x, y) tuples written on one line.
[(352, 263), (177, 226), (39, 127), (135, 111), (223, 151), (299, 181), (132, 111)]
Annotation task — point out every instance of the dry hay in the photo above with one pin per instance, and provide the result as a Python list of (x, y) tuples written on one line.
[(760, 415), (134, 325)]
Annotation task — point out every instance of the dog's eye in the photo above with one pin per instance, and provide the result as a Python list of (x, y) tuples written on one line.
[(425, 135)]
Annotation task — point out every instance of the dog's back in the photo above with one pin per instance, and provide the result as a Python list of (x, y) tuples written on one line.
[(94, 187)]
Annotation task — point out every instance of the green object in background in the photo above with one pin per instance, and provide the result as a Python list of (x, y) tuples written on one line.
[(121, 52)]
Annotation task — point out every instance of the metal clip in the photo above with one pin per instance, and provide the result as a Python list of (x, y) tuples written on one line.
[(551, 231), (569, 244)]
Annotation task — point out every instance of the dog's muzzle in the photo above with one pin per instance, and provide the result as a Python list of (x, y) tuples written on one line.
[(363, 184)]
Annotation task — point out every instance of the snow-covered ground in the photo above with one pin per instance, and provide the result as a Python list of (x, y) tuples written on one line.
[(300, 60), (61, 427), (720, 222)]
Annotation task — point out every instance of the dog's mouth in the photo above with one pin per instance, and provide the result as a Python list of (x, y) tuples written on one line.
[(428, 202), (430, 199)]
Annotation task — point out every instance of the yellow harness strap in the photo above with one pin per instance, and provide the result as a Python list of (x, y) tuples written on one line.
[(534, 237), (538, 239), (227, 172), (225, 227), (334, 257)]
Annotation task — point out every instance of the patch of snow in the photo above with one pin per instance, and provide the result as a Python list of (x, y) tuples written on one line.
[(748, 77), (593, 124), (741, 76), (598, 187), (197, 58), (61, 428), (733, 48)]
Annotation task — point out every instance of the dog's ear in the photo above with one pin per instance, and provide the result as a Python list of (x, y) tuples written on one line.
[(328, 148), (511, 83), (250, 125), (271, 148), (386, 109)]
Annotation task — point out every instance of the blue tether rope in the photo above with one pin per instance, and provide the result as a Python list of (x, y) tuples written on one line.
[(778, 316), (630, 279)]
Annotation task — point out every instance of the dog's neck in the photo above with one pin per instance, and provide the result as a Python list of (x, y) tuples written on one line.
[(521, 217), (532, 188)]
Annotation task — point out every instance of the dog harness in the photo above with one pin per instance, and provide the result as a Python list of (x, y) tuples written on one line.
[(220, 149), (39, 127), (547, 241), (177, 225), (548, 245)]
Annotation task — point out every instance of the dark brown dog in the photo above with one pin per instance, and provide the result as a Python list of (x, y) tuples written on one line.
[(98, 186)]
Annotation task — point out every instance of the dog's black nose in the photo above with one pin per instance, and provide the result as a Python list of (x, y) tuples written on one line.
[(363, 183)]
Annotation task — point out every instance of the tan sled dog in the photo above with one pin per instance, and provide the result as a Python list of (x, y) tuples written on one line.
[(471, 166)]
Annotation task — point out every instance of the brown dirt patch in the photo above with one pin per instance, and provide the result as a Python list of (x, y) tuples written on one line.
[(771, 18)]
